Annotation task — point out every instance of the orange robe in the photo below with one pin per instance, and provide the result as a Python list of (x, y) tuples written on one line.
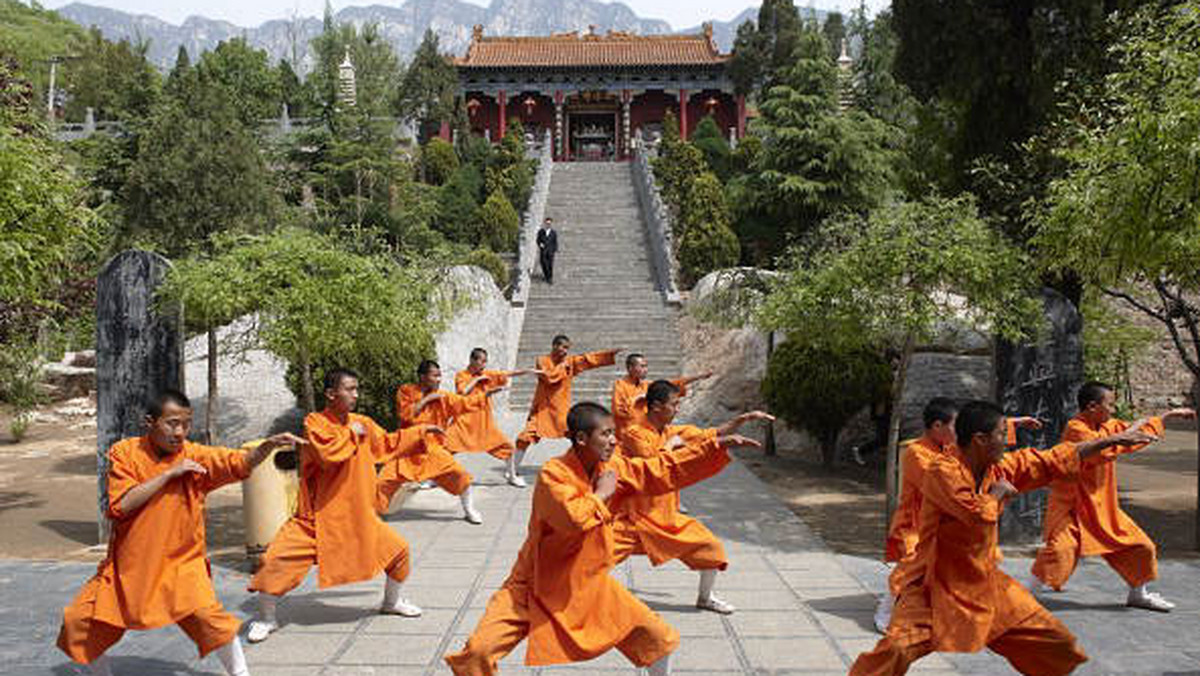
[(552, 398), (958, 599), (475, 431), (652, 524), (156, 571), (335, 525), (431, 460), (903, 533), (627, 409), (1084, 517), (560, 593)]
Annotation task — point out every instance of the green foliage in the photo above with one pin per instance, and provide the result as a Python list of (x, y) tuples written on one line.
[(30, 35), (320, 306), (490, 261), (1111, 344), (246, 74), (20, 373), (507, 168), (292, 90), (115, 79), (44, 223), (819, 390), (863, 283), (707, 243), (834, 31), (709, 140), (199, 171), (427, 91), (498, 223), (1123, 218), (438, 161), (746, 64), (457, 201), (763, 50), (376, 68), (676, 167)]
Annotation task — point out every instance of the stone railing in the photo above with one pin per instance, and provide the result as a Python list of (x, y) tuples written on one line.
[(658, 222), (527, 242)]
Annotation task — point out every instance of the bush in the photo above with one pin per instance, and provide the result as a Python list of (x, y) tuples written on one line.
[(457, 202), (709, 140), (492, 262), (819, 390), (438, 161), (20, 373), (498, 223), (675, 168), (707, 243)]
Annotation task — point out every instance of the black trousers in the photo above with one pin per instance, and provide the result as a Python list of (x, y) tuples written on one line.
[(547, 261)]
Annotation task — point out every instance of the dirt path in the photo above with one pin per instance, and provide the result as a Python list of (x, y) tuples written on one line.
[(845, 506)]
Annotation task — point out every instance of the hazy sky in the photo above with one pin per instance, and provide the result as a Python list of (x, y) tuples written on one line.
[(679, 13)]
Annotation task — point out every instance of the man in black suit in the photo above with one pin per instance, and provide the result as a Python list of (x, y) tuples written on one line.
[(547, 241)]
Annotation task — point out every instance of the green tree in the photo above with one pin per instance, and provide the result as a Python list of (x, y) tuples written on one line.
[(1123, 217), (834, 30), (438, 161), (779, 29), (427, 91), (291, 89), (492, 262), (508, 170), (677, 165), (457, 201), (707, 242), (246, 74), (888, 280), (115, 79), (30, 36), (746, 64), (497, 223), (709, 140), (819, 390)]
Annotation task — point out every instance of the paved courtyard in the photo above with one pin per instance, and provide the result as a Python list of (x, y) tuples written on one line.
[(801, 608)]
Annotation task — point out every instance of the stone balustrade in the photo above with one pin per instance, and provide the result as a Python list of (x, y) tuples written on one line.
[(658, 222), (534, 213)]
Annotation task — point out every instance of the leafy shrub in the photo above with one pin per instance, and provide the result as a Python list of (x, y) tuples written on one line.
[(709, 140), (498, 223), (438, 161), (492, 262), (707, 243), (819, 390)]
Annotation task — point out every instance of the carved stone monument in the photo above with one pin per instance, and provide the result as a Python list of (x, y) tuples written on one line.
[(1041, 380), (139, 351)]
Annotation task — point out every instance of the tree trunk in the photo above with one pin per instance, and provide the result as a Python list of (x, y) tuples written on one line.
[(893, 443), (307, 394), (210, 405), (769, 440), (1196, 404), (829, 450)]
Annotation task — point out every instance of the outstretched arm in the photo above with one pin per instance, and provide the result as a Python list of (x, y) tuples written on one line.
[(139, 495), (672, 470), (734, 424)]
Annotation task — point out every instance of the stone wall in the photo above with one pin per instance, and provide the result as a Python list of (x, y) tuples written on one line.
[(658, 222), (484, 319), (534, 214)]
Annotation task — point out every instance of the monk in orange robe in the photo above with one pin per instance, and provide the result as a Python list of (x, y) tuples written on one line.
[(477, 431), (424, 403), (1084, 517), (560, 594), (957, 599), (552, 398), (629, 393), (336, 526), (156, 571), (652, 524), (917, 456)]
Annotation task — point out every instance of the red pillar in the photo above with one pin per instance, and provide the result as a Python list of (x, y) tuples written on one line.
[(503, 114), (741, 116), (683, 121), (444, 131)]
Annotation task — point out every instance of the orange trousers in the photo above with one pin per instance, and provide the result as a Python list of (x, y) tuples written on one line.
[(84, 638), (454, 481), (505, 623), (1137, 564), (706, 553), (294, 551), (1038, 646)]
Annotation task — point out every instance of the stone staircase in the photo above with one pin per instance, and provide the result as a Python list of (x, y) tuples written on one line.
[(604, 293)]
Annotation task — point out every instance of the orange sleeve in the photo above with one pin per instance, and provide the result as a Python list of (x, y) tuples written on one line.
[(1010, 431), (406, 402), (591, 360), (461, 379), (224, 465), (670, 471), (496, 379), (563, 506), (331, 444), (622, 403), (552, 373), (682, 385), (1031, 468), (640, 442), (402, 442), (951, 487), (458, 404), (122, 476)]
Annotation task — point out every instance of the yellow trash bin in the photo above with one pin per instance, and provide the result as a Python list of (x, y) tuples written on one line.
[(269, 497)]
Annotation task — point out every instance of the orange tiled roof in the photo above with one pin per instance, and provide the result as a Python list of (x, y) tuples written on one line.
[(574, 50)]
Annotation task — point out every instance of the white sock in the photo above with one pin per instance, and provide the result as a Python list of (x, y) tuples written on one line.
[(467, 498), (662, 667), (233, 659), (266, 607), (708, 578), (391, 591), (101, 666), (514, 461)]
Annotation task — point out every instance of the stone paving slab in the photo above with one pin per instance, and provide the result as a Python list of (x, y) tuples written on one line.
[(802, 609)]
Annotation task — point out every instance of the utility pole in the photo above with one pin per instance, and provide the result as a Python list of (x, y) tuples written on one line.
[(54, 61)]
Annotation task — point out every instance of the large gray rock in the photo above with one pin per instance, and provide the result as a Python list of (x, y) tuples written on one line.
[(138, 353), (483, 318)]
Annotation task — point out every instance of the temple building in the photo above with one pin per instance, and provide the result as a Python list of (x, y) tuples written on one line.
[(596, 92)]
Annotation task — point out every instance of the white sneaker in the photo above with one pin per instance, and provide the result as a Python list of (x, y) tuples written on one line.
[(402, 607), (515, 480), (1140, 597), (260, 630), (883, 612), (472, 515), (715, 604)]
